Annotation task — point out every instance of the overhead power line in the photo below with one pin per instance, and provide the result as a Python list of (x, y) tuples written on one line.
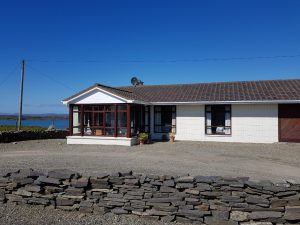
[(169, 60), (8, 75), (49, 77)]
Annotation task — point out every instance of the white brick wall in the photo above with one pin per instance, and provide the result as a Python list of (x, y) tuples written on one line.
[(255, 123)]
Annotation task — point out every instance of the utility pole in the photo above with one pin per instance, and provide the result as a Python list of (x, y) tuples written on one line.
[(21, 95)]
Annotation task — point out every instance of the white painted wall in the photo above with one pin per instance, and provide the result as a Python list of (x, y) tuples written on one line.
[(97, 96), (93, 140), (252, 123)]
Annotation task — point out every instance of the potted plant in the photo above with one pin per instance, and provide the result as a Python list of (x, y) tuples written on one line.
[(172, 137), (143, 137)]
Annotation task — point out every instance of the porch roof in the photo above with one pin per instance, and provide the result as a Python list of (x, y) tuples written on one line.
[(240, 91)]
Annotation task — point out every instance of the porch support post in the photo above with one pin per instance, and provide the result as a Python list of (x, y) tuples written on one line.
[(70, 120), (116, 119), (128, 121), (81, 120)]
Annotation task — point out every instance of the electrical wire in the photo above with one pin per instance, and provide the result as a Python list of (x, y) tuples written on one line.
[(170, 60), (49, 77), (8, 75)]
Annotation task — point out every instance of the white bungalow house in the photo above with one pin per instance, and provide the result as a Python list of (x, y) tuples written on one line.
[(248, 111)]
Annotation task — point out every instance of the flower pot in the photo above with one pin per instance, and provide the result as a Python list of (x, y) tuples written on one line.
[(142, 141), (172, 139)]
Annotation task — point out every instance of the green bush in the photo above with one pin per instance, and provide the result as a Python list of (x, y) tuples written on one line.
[(25, 128)]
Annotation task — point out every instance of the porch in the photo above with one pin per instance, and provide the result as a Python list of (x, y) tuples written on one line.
[(108, 124)]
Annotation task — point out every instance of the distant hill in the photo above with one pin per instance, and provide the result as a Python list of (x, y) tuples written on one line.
[(43, 116)]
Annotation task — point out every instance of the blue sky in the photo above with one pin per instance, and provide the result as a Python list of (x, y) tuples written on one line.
[(70, 45)]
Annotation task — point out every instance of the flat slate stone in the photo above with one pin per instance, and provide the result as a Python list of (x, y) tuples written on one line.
[(32, 188), (65, 202), (61, 174), (286, 193), (48, 180), (38, 201), (23, 192), (214, 221), (257, 200), (185, 179), (220, 215), (207, 179), (239, 216), (169, 183), (193, 213), (80, 183), (164, 200), (119, 211), (265, 215), (257, 223), (292, 213)]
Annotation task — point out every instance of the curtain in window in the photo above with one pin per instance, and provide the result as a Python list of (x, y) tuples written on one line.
[(208, 123), (227, 123)]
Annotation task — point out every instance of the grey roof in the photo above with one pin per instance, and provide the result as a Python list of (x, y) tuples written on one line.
[(263, 90)]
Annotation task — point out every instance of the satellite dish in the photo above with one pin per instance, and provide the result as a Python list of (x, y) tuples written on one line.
[(134, 81)]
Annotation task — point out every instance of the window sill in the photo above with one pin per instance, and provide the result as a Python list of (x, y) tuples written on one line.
[(218, 135)]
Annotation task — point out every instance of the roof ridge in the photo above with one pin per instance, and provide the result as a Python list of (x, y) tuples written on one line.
[(114, 88), (217, 82)]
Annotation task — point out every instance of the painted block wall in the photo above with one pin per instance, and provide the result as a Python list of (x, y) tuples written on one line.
[(251, 123)]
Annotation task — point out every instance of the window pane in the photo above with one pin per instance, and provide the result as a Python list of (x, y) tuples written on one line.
[(76, 130), (88, 108), (122, 131), (122, 107), (88, 118), (76, 119), (109, 131), (110, 108), (109, 119), (122, 119), (208, 119), (98, 119), (98, 108)]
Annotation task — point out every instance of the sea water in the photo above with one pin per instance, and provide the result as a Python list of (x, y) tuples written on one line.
[(59, 124)]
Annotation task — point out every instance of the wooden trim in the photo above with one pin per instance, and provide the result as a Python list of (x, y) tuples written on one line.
[(116, 119), (128, 121), (71, 120), (81, 120)]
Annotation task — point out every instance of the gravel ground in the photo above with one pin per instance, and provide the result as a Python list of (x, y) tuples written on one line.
[(34, 215), (276, 162)]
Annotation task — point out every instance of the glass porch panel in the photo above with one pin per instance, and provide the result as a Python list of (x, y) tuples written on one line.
[(109, 131), (122, 119), (76, 119), (109, 119), (76, 131), (98, 116), (122, 132)]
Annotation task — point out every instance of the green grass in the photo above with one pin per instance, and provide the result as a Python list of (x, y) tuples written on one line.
[(26, 128)]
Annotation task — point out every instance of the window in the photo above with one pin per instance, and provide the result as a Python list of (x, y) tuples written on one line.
[(164, 119), (76, 120), (218, 119), (147, 119)]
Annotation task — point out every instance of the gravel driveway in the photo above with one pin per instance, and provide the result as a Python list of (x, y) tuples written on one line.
[(276, 162), (34, 215)]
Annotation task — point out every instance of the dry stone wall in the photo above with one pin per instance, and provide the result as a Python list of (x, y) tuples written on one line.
[(199, 199), (13, 136)]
